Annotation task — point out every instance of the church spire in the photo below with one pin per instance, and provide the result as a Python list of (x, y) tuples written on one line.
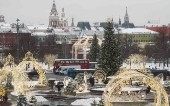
[(72, 23), (62, 13), (53, 9), (119, 21), (54, 3), (126, 11), (126, 17)]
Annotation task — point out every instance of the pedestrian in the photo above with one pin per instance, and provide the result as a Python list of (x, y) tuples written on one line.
[(59, 89), (130, 82), (92, 81), (148, 90)]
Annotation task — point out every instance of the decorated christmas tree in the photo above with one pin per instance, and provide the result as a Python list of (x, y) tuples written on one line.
[(94, 49), (110, 56)]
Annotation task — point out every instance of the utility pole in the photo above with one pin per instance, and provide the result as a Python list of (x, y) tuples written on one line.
[(17, 26), (3, 47), (130, 44), (65, 41)]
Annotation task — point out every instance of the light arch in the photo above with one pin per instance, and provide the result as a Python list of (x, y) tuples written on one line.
[(29, 58), (121, 80), (83, 43)]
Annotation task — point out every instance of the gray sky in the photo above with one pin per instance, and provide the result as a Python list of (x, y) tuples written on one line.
[(37, 11)]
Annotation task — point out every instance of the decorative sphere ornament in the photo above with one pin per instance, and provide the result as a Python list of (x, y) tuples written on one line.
[(80, 89)]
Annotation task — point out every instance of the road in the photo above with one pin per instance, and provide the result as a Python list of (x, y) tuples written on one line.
[(52, 75)]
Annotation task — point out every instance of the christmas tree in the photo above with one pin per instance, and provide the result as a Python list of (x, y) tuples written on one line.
[(110, 56), (94, 49)]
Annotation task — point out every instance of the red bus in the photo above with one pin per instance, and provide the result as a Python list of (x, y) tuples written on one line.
[(84, 63)]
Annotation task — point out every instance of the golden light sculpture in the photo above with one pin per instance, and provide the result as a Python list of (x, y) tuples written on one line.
[(3, 91), (118, 82), (134, 72), (83, 43), (7, 68), (135, 61), (20, 78), (9, 61), (29, 58), (99, 75), (20, 81)]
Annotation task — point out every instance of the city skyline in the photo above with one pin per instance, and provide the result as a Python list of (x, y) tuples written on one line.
[(37, 12)]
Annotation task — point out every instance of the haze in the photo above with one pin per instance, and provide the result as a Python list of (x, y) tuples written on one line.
[(37, 11)]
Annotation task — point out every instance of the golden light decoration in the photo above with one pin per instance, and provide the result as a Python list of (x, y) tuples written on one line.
[(84, 44), (99, 74), (118, 82), (21, 80), (109, 20), (29, 58), (135, 61), (9, 61), (3, 91)]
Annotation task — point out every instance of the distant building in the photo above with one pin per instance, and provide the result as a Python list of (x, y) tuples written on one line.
[(126, 23), (2, 18), (139, 36), (84, 25), (54, 18), (161, 29), (72, 23)]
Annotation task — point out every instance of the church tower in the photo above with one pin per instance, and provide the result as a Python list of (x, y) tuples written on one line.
[(54, 18), (72, 23), (62, 13), (126, 17)]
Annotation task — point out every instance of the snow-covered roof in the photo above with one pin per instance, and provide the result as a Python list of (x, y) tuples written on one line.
[(93, 28), (151, 24), (137, 31), (58, 30), (37, 27), (100, 28), (74, 29), (40, 34), (4, 25), (85, 102)]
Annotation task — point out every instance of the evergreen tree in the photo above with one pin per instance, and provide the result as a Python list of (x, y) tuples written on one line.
[(94, 49), (110, 56)]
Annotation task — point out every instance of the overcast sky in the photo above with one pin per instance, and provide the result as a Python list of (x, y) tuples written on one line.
[(38, 11)]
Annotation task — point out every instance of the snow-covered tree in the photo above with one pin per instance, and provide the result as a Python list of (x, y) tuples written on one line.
[(22, 100), (94, 49), (110, 56)]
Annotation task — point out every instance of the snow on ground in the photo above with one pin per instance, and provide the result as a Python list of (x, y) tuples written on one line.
[(153, 65), (85, 102)]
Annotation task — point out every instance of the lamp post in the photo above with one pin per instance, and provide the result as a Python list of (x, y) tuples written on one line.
[(168, 50), (17, 26), (130, 44), (65, 41), (118, 29), (3, 45)]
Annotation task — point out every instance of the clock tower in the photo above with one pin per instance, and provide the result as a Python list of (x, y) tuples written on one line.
[(54, 17)]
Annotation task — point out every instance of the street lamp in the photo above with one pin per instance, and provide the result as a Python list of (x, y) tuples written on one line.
[(130, 44), (65, 41), (118, 29), (17, 27), (3, 46)]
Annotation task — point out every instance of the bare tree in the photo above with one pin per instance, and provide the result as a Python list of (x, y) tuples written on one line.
[(50, 58)]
